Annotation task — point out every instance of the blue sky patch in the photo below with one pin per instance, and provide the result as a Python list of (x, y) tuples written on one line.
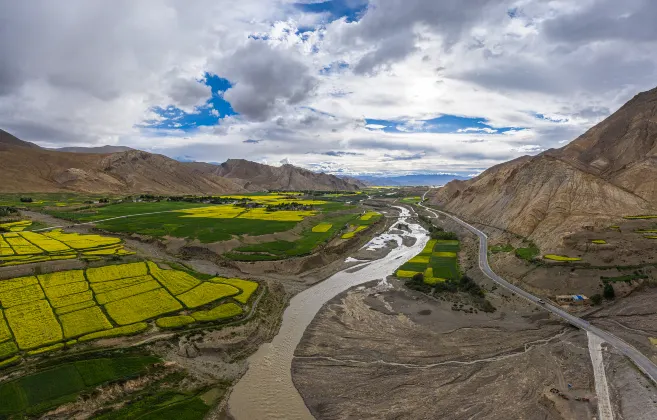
[(442, 124), (206, 115), (335, 67), (352, 10)]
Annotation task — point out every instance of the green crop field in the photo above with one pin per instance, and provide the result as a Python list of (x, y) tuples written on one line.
[(38, 392), (437, 261), (162, 406), (277, 250)]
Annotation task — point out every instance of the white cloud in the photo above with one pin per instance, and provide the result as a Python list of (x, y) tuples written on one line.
[(90, 73)]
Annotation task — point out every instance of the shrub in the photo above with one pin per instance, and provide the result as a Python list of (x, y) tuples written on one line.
[(596, 299), (608, 292), (26, 199)]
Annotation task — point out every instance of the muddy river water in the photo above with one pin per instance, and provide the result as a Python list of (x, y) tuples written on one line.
[(266, 391)]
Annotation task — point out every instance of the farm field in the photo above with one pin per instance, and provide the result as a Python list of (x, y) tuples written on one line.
[(311, 239), (24, 247), (40, 313), (437, 262), (253, 215), (38, 392)]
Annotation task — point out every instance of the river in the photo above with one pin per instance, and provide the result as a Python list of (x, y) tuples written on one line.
[(266, 391)]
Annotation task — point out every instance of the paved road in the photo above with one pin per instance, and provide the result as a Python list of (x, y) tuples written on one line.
[(639, 359)]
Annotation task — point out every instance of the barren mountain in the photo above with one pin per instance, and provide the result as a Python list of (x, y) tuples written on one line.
[(608, 172), (27, 167), (287, 177)]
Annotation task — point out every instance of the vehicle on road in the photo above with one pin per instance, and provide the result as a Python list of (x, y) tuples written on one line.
[(541, 301)]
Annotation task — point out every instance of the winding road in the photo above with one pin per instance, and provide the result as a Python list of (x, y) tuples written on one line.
[(639, 359)]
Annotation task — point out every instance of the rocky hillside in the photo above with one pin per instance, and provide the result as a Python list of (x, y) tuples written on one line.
[(252, 175), (97, 150), (27, 167), (608, 172)]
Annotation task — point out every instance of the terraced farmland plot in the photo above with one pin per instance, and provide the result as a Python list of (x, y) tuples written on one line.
[(61, 290), (247, 287), (30, 247), (115, 272), (223, 311), (83, 322), (20, 296), (67, 300), (34, 325), (107, 286), (22, 246), (206, 293), (142, 307), (122, 293), (27, 304), (61, 277), (175, 281)]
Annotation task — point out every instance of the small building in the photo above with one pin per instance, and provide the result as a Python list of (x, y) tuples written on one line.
[(572, 300)]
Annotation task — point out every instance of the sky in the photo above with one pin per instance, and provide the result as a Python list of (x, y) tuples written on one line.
[(342, 86)]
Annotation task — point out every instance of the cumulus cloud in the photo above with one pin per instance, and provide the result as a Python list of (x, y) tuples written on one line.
[(304, 85), (265, 78)]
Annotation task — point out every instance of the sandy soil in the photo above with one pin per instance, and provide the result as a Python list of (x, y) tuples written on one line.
[(406, 356)]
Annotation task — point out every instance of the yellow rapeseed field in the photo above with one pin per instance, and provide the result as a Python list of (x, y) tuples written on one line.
[(22, 246), (175, 281), (5, 333), (214, 212), (7, 349), (322, 227), (560, 258), (16, 283), (84, 321), (66, 289), (281, 216), (422, 259), (82, 242), (20, 296), (405, 274), (16, 226), (34, 325), (5, 249), (115, 332), (369, 215), (44, 242), (114, 272), (206, 293), (223, 311), (61, 277), (75, 307), (247, 287), (118, 294), (445, 254), (106, 286), (141, 307), (62, 301), (46, 349)]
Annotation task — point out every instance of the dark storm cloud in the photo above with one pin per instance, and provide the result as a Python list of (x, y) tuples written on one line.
[(630, 20), (265, 78)]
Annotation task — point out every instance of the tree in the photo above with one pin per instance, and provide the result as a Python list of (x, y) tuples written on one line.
[(608, 292), (596, 299), (26, 199)]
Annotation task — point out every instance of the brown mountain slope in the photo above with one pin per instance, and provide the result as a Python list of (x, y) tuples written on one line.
[(286, 177), (608, 172), (29, 168)]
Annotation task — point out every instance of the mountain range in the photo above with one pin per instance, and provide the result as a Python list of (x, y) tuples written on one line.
[(26, 167), (410, 180), (608, 172)]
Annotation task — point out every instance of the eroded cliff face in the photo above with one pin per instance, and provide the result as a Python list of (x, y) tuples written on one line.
[(608, 172)]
